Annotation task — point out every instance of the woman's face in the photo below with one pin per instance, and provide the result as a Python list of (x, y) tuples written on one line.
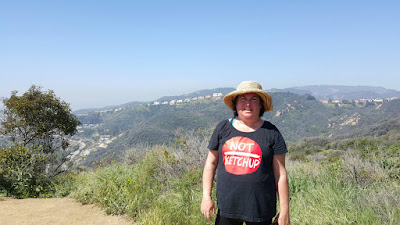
[(248, 106)]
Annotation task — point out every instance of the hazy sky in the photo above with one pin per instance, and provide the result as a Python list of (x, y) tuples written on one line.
[(98, 53)]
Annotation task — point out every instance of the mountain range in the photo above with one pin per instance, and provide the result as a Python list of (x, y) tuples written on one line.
[(320, 92), (341, 92), (296, 116)]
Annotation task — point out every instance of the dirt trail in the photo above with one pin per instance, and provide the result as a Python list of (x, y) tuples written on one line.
[(54, 211)]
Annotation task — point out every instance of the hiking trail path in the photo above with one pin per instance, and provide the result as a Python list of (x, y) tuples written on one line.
[(55, 211)]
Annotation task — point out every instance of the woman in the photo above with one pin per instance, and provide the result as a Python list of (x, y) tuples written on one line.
[(250, 156)]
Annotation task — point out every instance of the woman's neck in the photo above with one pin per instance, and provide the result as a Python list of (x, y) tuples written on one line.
[(248, 125)]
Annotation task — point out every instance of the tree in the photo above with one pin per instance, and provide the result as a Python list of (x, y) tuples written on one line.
[(38, 123)]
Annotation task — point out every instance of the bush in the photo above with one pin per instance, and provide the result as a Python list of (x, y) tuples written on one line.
[(21, 172), (136, 153), (39, 121), (328, 195), (63, 185), (357, 184), (160, 188), (123, 188), (178, 205)]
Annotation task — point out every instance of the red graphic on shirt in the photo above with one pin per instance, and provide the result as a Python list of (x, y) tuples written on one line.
[(241, 155)]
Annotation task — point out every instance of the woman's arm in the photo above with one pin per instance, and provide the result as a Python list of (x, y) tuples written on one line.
[(282, 187), (207, 203)]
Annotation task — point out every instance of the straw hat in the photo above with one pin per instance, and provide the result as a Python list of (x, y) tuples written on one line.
[(249, 87)]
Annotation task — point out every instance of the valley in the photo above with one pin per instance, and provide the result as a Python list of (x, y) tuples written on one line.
[(108, 134)]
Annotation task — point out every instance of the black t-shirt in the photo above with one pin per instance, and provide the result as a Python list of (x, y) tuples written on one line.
[(245, 181)]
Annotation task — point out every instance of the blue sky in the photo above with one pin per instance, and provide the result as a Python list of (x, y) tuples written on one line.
[(99, 53)]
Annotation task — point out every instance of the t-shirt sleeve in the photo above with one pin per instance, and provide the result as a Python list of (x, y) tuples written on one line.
[(215, 137), (280, 145)]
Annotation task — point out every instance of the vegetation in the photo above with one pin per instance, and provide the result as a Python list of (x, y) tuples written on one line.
[(162, 186), (329, 192), (297, 116), (348, 181), (351, 177), (37, 123), (343, 181)]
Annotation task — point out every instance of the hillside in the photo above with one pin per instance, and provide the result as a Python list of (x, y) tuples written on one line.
[(197, 94), (343, 160), (320, 92), (112, 107), (297, 116), (341, 92)]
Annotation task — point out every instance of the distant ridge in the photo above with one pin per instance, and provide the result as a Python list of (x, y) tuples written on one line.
[(125, 105), (320, 92), (205, 92), (342, 92), (297, 116)]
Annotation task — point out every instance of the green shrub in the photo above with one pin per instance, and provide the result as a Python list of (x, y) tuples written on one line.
[(298, 157), (123, 188), (63, 185), (159, 189), (334, 186), (327, 198), (21, 171), (180, 204)]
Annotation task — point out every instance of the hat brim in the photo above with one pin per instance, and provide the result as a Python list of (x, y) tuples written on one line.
[(267, 99)]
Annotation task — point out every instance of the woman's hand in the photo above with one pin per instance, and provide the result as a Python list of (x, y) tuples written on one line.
[(280, 174), (282, 219), (207, 205)]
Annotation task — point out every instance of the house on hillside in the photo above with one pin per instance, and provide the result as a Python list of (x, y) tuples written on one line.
[(365, 100), (105, 111), (217, 94), (105, 137)]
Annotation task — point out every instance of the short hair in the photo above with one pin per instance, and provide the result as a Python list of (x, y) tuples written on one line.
[(262, 109)]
